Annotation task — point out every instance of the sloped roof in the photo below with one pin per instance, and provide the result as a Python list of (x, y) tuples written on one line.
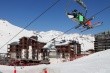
[(62, 43), (14, 43), (57, 43)]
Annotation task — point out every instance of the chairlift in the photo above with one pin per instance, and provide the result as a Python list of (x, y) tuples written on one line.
[(81, 19)]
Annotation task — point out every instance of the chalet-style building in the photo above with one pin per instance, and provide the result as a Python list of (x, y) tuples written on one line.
[(68, 50), (29, 51), (3, 59), (102, 41), (62, 51)]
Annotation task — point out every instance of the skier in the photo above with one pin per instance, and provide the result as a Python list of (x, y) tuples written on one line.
[(88, 24), (80, 18), (75, 13)]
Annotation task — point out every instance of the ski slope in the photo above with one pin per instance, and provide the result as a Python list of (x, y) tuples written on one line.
[(95, 63)]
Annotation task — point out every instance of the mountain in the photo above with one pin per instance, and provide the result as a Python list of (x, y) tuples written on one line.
[(8, 31), (86, 41)]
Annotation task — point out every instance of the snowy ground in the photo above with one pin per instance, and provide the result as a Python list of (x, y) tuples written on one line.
[(95, 63)]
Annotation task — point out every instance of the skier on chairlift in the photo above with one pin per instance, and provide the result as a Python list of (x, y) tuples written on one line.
[(81, 19)]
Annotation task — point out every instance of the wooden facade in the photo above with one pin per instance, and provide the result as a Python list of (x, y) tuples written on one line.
[(30, 50), (3, 59), (69, 51), (102, 41), (27, 49), (14, 50)]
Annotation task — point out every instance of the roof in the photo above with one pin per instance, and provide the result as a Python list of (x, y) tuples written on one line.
[(14, 43), (33, 39), (62, 43), (48, 45)]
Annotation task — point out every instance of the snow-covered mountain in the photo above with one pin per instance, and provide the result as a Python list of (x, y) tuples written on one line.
[(8, 31), (86, 41)]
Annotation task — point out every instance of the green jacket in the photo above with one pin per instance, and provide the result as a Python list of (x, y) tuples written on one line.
[(80, 18)]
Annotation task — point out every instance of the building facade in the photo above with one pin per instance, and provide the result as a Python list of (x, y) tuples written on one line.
[(68, 50), (102, 41), (30, 50)]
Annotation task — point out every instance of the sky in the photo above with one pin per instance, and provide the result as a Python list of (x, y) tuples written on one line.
[(22, 12)]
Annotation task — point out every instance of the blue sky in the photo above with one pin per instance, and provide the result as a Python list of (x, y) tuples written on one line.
[(22, 12)]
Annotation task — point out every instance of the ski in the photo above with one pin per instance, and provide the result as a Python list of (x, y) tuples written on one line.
[(93, 26), (76, 27), (84, 30)]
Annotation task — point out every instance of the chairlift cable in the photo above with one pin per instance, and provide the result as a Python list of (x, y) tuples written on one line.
[(61, 34), (100, 11), (68, 3), (92, 17), (31, 23)]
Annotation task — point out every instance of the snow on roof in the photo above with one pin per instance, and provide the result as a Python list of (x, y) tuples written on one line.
[(14, 43), (33, 39), (62, 43), (50, 45)]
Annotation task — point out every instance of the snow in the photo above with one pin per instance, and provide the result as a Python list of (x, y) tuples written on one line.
[(48, 45), (86, 41), (62, 43), (9, 31), (30, 52), (95, 63)]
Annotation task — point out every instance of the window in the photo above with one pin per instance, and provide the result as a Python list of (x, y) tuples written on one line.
[(17, 57)]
